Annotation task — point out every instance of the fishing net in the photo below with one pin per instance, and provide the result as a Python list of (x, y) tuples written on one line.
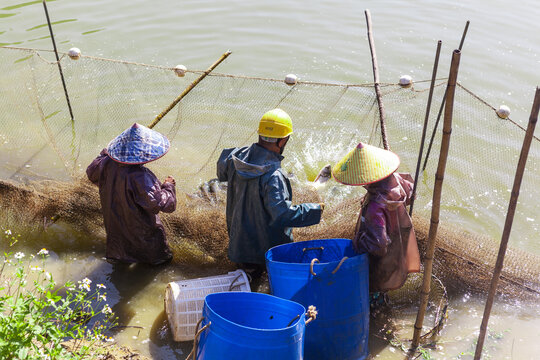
[(395, 322), (46, 153)]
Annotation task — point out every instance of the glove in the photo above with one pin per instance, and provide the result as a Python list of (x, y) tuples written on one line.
[(322, 206), (169, 179)]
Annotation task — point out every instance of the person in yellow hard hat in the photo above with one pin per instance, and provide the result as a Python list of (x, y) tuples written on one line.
[(260, 213), (384, 228)]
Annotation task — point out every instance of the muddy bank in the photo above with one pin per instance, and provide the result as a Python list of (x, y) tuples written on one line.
[(106, 351)]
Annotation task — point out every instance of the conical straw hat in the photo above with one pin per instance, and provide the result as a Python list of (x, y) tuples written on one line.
[(138, 145), (364, 165)]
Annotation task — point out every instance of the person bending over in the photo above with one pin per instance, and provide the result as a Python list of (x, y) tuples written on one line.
[(384, 229), (260, 213), (132, 196)]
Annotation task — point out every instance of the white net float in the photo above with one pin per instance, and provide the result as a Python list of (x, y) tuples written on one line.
[(291, 79), (180, 70), (405, 80), (503, 112), (74, 53)]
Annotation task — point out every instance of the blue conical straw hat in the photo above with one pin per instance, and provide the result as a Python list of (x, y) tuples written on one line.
[(364, 165), (138, 145)]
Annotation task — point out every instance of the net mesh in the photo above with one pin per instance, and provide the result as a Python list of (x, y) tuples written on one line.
[(46, 154)]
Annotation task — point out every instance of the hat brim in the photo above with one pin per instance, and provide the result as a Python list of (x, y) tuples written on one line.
[(364, 165), (136, 162), (138, 145)]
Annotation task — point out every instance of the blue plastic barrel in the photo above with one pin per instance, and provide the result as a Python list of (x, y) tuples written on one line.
[(246, 325), (340, 293)]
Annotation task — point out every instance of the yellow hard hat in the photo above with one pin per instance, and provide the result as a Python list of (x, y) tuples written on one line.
[(275, 124)]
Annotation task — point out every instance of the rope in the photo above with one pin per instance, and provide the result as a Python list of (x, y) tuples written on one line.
[(313, 248), (50, 62), (312, 83), (293, 320), (485, 103), (232, 283), (311, 266), (339, 265), (311, 313), (196, 338)]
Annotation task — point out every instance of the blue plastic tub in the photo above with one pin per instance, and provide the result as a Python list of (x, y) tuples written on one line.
[(341, 330), (247, 325)]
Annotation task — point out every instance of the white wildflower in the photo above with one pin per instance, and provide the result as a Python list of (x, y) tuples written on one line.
[(85, 284), (18, 255), (101, 286), (51, 301), (84, 287), (7, 232), (107, 309), (103, 297), (35, 268), (43, 252), (48, 276)]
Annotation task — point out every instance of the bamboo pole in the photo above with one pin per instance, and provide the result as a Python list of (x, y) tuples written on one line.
[(376, 80), (508, 223), (442, 102), (439, 177), (428, 107), (188, 89), (57, 58)]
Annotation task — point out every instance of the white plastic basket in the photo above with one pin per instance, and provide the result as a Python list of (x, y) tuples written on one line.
[(184, 300)]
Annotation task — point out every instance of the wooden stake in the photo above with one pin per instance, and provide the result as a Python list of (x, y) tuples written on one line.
[(376, 80), (428, 107), (439, 177), (57, 58), (188, 89), (509, 220), (442, 102)]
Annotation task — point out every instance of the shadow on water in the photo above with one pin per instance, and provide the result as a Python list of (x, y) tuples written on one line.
[(129, 280), (162, 344)]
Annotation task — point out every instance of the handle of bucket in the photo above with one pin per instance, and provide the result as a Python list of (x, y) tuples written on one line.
[(232, 286), (196, 338), (311, 266), (333, 271), (313, 248), (311, 314), (339, 265)]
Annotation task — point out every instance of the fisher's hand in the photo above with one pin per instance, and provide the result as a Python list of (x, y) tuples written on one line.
[(322, 206), (170, 179)]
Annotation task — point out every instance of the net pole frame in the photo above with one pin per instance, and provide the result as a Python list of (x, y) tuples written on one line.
[(188, 89), (533, 119), (437, 191), (443, 101), (58, 59), (424, 129), (376, 80)]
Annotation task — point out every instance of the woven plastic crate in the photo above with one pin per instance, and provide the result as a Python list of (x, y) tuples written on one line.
[(184, 300)]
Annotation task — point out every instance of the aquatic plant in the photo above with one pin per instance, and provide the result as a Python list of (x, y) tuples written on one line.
[(37, 317)]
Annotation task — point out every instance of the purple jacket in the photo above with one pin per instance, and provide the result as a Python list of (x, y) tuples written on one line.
[(131, 198), (385, 231)]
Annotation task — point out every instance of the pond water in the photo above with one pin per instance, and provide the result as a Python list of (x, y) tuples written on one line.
[(320, 40)]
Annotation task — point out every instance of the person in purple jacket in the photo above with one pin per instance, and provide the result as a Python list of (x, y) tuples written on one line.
[(384, 229), (132, 196)]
